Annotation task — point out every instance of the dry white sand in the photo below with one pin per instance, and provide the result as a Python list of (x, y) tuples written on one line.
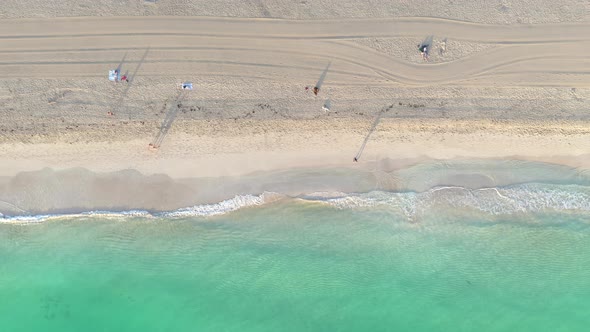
[(512, 83)]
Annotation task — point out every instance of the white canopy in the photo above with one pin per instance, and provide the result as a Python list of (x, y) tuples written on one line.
[(114, 76)]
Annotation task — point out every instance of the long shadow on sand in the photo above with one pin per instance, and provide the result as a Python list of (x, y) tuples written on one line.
[(318, 85), (373, 127), (168, 120), (119, 103)]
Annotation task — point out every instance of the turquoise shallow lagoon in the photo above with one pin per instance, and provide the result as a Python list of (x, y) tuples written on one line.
[(500, 259)]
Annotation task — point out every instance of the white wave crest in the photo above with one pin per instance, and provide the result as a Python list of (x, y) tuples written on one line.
[(103, 214), (495, 201), (233, 204)]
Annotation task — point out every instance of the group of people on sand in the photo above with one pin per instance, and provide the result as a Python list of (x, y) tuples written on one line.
[(425, 46)]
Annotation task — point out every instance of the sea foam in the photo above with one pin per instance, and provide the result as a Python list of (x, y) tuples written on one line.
[(527, 198), (223, 207), (517, 199)]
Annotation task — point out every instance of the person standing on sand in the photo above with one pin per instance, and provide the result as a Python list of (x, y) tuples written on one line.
[(443, 47), (424, 51)]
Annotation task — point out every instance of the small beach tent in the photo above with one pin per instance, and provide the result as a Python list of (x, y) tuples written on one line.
[(114, 75), (187, 86)]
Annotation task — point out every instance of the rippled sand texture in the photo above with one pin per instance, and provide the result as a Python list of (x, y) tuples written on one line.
[(501, 12)]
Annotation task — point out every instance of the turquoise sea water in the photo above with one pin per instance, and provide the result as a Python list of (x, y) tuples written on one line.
[(513, 258)]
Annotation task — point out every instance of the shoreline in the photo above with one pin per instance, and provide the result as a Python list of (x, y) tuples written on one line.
[(295, 158), (495, 187)]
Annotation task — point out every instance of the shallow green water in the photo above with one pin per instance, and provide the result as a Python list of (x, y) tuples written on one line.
[(293, 266)]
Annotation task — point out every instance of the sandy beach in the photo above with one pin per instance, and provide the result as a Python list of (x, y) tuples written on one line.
[(503, 83)]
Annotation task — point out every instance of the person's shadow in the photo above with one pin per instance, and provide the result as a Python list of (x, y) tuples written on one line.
[(170, 117), (318, 85), (373, 127)]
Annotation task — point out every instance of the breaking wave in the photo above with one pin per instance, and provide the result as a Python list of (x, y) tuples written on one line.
[(236, 203), (204, 210), (517, 199), (527, 198)]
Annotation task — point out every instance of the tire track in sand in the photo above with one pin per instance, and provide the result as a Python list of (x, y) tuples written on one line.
[(39, 48)]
